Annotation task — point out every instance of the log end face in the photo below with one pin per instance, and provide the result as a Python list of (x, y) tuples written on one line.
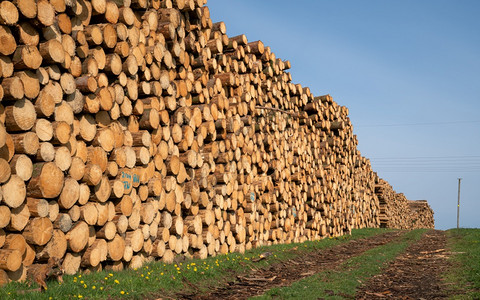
[(51, 180)]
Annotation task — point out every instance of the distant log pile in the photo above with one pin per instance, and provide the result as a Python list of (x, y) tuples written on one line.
[(138, 130), (398, 212), (421, 214)]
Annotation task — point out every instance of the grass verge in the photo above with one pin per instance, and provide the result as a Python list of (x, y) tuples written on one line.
[(464, 276), (343, 281), (159, 278)]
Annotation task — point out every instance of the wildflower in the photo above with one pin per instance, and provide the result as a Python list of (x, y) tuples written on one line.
[(101, 288), (117, 282), (94, 287), (122, 292), (195, 269), (147, 277), (110, 274), (82, 282), (80, 296), (161, 274)]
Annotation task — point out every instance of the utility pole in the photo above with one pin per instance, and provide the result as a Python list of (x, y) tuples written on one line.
[(458, 204)]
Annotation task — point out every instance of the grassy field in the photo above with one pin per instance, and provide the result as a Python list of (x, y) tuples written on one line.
[(464, 276), (159, 278)]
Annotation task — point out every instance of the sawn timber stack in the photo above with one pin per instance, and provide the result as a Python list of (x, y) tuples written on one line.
[(138, 130)]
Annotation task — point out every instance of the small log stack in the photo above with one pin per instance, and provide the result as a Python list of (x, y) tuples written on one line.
[(398, 212), (422, 214), (138, 130)]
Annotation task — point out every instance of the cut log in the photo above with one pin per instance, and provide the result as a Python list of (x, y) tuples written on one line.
[(38, 231), (10, 260), (14, 191), (47, 181)]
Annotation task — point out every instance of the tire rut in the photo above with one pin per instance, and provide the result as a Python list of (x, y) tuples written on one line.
[(415, 274)]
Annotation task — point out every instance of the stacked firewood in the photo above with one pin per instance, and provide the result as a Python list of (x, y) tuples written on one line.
[(398, 212), (421, 214), (135, 130)]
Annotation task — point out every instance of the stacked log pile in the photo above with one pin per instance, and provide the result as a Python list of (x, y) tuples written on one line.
[(396, 211), (422, 214), (135, 130)]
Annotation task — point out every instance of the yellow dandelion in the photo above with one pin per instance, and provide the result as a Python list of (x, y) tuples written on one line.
[(82, 282), (195, 269), (94, 287), (80, 296), (101, 288), (84, 286), (161, 274), (110, 274), (141, 275), (106, 278), (147, 277), (117, 282), (80, 276), (122, 292)]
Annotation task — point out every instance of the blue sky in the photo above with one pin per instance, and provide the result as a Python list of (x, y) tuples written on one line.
[(409, 72)]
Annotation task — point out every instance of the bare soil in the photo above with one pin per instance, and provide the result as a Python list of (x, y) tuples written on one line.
[(284, 273), (415, 274)]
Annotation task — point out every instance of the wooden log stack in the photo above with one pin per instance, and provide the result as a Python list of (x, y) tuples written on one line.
[(422, 214), (398, 212), (136, 130)]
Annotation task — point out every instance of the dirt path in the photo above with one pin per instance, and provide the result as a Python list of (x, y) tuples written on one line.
[(285, 273), (414, 274)]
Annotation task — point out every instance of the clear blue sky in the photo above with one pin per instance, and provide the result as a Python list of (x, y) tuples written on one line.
[(411, 64)]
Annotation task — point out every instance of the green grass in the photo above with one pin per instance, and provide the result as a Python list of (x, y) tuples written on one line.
[(159, 278), (464, 276), (343, 281)]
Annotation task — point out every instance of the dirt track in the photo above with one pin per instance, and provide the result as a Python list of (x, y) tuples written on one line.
[(414, 274), (287, 272)]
